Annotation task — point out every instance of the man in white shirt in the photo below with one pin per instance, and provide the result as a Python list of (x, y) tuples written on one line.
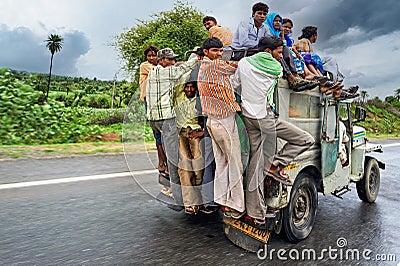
[(250, 31), (257, 76)]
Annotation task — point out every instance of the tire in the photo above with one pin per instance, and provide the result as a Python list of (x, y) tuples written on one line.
[(368, 187), (299, 215)]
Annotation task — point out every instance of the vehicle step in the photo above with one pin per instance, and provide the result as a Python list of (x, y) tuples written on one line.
[(340, 192)]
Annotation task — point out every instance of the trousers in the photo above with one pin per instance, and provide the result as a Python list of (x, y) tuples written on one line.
[(228, 182), (263, 134), (169, 134), (190, 167)]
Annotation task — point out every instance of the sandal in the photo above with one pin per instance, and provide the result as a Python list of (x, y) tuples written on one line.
[(346, 95), (352, 89), (163, 170), (258, 223), (192, 209), (167, 192), (281, 177), (226, 211), (328, 86), (237, 215), (209, 209), (335, 88), (229, 212), (320, 79), (299, 84)]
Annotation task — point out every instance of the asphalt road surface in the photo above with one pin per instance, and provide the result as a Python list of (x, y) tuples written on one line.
[(74, 211)]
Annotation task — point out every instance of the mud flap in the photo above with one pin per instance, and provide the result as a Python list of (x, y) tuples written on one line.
[(245, 235)]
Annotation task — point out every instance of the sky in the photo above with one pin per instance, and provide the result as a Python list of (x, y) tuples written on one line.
[(362, 35)]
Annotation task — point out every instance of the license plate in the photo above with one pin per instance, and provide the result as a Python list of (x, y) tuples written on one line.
[(290, 167), (259, 234)]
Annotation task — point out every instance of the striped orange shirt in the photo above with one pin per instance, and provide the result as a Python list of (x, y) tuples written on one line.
[(216, 92)]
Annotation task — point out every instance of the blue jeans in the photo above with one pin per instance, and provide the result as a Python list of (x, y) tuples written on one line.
[(156, 132), (157, 137)]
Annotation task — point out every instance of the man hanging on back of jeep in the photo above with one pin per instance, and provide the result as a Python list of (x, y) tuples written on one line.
[(160, 88), (257, 76), (219, 104)]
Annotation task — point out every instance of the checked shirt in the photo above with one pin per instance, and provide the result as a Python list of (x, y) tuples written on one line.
[(160, 89)]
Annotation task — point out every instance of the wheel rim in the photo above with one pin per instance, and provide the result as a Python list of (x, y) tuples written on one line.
[(373, 178), (301, 208)]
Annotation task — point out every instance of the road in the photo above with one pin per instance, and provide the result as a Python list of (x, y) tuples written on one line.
[(109, 219)]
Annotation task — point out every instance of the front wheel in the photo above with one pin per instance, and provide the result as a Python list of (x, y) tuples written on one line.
[(299, 215), (368, 187)]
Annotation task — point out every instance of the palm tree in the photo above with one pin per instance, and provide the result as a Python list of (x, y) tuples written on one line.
[(364, 95), (54, 44), (397, 94)]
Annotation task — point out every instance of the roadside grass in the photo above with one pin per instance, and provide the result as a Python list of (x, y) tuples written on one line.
[(139, 138), (372, 135), (63, 150), (105, 147)]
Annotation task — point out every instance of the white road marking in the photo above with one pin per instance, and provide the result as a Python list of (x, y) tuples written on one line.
[(391, 145), (96, 177), (75, 179)]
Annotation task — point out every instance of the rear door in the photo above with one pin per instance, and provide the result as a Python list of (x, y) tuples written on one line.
[(334, 176), (329, 138)]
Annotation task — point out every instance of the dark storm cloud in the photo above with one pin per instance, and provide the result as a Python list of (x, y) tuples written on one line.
[(75, 45), (371, 18), (21, 49), (361, 20)]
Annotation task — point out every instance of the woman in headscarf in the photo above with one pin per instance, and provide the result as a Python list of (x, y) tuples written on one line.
[(282, 28), (274, 22)]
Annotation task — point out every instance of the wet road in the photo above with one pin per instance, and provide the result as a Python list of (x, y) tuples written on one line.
[(112, 220)]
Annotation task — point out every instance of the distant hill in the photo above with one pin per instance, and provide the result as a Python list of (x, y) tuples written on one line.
[(383, 118)]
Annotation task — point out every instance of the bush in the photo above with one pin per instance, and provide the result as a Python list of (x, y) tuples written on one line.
[(84, 101), (62, 97), (26, 120), (100, 101), (103, 117)]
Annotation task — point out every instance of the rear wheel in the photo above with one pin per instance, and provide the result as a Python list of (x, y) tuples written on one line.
[(368, 187), (299, 215)]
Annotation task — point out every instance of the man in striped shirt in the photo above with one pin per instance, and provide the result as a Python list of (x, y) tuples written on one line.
[(160, 90), (219, 104)]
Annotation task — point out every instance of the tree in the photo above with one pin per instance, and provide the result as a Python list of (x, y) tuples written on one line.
[(180, 29), (54, 44), (390, 99), (397, 94), (364, 95)]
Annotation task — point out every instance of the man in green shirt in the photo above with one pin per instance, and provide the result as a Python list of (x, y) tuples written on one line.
[(191, 160)]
